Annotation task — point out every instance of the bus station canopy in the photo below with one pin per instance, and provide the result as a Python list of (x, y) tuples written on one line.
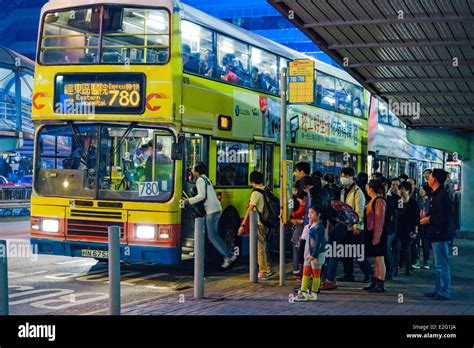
[(417, 52)]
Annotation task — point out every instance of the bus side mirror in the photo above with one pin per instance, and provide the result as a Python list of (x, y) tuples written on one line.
[(177, 151)]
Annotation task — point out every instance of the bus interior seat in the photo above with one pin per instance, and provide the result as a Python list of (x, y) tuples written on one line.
[(111, 57)]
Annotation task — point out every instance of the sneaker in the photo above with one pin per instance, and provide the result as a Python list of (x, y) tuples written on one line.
[(265, 275), (295, 273), (229, 261), (302, 297), (312, 296), (415, 266), (261, 275), (426, 267), (269, 274), (328, 285)]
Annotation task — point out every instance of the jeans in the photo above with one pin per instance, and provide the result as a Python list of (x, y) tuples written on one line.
[(443, 273), (336, 236), (389, 262), (212, 224), (264, 261), (348, 262)]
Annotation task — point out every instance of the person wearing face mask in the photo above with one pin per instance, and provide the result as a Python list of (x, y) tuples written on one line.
[(352, 195)]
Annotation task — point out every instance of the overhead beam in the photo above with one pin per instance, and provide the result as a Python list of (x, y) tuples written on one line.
[(424, 94), (446, 105), (414, 79), (389, 21), (402, 63), (401, 43)]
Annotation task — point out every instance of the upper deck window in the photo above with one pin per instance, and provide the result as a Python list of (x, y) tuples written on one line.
[(233, 61), (107, 35)]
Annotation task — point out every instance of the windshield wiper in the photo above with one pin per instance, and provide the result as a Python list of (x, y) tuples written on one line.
[(123, 137), (77, 140)]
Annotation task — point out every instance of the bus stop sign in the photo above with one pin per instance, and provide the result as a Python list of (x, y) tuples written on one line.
[(301, 81)]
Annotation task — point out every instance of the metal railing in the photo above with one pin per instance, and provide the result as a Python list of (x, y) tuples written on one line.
[(15, 193), (8, 117)]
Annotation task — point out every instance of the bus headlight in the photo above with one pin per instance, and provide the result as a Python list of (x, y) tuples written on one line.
[(50, 225), (145, 232)]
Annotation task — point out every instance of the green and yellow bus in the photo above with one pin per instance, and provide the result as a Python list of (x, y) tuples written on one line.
[(129, 95)]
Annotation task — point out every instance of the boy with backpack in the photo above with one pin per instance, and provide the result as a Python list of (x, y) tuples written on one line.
[(267, 206)]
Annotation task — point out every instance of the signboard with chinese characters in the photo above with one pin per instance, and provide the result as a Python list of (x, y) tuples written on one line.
[(325, 129), (256, 115), (301, 81), (104, 93)]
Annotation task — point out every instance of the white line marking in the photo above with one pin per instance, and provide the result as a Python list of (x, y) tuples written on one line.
[(150, 276), (75, 261)]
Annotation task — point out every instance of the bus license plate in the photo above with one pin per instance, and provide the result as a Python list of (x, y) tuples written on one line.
[(100, 254)]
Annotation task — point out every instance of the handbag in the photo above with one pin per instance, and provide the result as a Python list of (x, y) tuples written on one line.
[(198, 209)]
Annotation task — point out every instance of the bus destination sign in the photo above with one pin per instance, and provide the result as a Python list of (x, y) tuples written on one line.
[(101, 93)]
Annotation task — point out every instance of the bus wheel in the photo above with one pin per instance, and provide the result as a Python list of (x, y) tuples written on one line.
[(228, 227)]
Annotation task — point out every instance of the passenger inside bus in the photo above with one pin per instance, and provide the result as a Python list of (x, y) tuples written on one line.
[(206, 64), (256, 79), (190, 62), (233, 70)]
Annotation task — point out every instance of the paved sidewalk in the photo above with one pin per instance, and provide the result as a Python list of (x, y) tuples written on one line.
[(236, 296)]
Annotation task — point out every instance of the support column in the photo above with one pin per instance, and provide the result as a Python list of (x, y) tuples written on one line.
[(467, 195)]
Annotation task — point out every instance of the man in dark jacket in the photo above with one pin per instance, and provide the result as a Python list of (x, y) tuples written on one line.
[(437, 232)]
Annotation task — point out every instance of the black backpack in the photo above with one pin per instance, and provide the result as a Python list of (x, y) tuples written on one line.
[(270, 216)]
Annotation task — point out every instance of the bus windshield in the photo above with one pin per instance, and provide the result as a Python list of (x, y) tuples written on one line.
[(105, 35), (126, 162)]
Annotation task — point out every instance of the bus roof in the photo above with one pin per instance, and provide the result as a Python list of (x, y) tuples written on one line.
[(194, 15)]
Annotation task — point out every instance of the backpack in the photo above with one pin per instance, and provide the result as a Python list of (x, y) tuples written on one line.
[(270, 216), (343, 213)]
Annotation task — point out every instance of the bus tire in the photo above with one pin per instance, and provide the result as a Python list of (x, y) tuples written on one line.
[(228, 227)]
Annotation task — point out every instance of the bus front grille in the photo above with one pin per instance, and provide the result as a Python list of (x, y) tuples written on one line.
[(88, 228), (97, 214)]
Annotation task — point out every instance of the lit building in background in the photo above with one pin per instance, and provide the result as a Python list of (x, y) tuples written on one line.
[(19, 25)]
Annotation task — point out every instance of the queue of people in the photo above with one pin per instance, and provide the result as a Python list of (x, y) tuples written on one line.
[(395, 225), (398, 227)]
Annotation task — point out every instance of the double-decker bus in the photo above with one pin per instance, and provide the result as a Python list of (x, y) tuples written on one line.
[(397, 156), (129, 96)]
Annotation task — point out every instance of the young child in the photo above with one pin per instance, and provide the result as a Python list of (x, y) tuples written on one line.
[(313, 255)]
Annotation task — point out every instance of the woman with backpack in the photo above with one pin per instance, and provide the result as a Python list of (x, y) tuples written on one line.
[(212, 210), (375, 238)]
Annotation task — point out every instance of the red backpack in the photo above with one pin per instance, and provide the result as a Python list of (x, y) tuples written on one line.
[(343, 213)]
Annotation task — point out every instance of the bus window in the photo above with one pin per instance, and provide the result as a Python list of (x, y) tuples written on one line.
[(143, 37), (258, 158), (324, 162), (135, 164), (129, 36), (303, 155), (67, 37), (325, 90), (232, 163), (269, 165), (233, 58), (263, 74), (198, 55), (67, 161)]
